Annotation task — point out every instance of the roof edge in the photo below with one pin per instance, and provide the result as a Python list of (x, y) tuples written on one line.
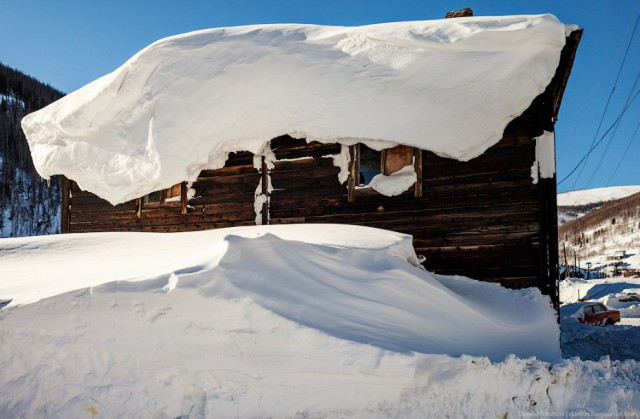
[(567, 57)]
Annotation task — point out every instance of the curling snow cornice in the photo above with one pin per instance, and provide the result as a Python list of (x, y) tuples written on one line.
[(183, 103)]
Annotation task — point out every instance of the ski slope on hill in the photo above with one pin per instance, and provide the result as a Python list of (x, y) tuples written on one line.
[(276, 321)]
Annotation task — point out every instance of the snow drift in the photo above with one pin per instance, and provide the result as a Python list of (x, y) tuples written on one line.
[(183, 103), (276, 321), (374, 292)]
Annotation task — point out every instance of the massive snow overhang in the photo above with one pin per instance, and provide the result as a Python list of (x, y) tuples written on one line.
[(183, 103)]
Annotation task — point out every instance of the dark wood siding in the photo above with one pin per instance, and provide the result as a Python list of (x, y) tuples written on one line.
[(478, 218), (223, 198), (304, 180)]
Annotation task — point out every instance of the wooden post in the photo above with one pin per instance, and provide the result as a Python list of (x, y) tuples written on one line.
[(417, 189), (265, 191), (183, 197), (354, 157), (566, 263), (138, 207), (66, 206)]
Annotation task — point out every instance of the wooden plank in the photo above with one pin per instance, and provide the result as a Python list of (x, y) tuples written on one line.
[(265, 191), (291, 220), (228, 170), (417, 187), (307, 173), (285, 147), (396, 158), (87, 200), (215, 190), (183, 197), (227, 179), (66, 204), (329, 184), (221, 199), (284, 165), (353, 172)]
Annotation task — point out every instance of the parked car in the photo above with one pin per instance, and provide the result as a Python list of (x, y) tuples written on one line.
[(628, 298), (590, 312), (598, 314)]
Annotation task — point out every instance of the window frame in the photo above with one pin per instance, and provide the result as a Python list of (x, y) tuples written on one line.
[(164, 194), (354, 169)]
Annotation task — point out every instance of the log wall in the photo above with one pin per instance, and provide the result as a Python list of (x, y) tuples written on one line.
[(222, 198), (484, 218)]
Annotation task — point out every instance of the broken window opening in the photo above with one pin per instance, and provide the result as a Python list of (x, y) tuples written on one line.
[(368, 163)]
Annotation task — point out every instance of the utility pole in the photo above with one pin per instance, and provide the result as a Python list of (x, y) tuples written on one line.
[(575, 264), (566, 264)]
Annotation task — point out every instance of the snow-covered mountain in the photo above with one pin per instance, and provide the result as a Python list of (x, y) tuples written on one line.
[(575, 204), (28, 204)]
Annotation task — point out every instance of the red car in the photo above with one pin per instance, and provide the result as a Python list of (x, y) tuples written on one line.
[(597, 314)]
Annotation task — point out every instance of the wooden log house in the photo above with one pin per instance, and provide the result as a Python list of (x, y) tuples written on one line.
[(484, 218)]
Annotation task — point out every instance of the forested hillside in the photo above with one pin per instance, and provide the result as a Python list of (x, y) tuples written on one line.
[(28, 204), (575, 204), (615, 226)]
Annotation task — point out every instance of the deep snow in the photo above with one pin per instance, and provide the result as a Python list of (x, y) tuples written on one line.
[(277, 321), (619, 342), (596, 195), (183, 103), (371, 291)]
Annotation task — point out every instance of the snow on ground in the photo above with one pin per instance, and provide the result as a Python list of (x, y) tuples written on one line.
[(572, 289), (277, 321), (589, 196), (183, 103), (620, 341)]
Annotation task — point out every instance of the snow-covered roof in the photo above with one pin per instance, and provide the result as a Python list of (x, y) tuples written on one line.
[(183, 103)]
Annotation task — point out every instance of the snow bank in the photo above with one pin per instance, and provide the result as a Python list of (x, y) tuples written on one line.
[(276, 321), (618, 342), (33, 268), (355, 283), (183, 103)]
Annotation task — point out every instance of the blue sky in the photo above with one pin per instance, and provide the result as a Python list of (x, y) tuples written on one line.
[(69, 43)]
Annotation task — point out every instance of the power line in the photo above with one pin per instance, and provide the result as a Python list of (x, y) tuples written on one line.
[(613, 134), (608, 100), (596, 87), (601, 138), (624, 154)]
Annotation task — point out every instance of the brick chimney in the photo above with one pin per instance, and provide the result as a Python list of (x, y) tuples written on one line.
[(459, 13)]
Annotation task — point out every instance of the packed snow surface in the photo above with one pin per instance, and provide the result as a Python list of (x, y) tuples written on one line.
[(276, 321), (621, 341), (590, 196), (183, 103), (356, 283)]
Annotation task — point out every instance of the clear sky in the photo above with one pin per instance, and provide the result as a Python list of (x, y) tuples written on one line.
[(69, 43)]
